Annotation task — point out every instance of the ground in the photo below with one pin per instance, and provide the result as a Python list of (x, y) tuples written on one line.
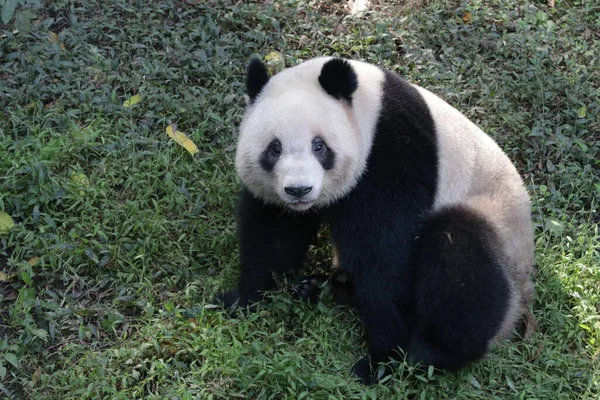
[(121, 237)]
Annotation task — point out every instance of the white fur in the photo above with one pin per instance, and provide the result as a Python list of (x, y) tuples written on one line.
[(295, 118)]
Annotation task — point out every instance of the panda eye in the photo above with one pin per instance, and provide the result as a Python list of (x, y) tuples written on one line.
[(275, 149), (319, 146)]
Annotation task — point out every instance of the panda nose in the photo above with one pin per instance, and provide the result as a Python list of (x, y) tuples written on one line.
[(297, 191)]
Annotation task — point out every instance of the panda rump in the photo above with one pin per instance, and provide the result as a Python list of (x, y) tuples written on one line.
[(429, 218)]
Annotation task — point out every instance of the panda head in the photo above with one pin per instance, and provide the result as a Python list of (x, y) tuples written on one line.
[(299, 144)]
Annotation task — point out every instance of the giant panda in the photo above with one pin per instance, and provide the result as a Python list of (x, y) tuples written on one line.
[(429, 218)]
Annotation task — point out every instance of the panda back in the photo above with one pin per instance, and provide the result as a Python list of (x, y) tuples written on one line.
[(473, 171), (469, 161)]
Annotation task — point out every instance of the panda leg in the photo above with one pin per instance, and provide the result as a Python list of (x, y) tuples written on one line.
[(462, 294), (384, 304), (343, 293), (270, 240), (375, 255)]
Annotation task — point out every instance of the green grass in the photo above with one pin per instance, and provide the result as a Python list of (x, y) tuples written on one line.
[(128, 255)]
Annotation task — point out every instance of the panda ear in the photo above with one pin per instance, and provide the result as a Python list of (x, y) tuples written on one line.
[(339, 79), (256, 78)]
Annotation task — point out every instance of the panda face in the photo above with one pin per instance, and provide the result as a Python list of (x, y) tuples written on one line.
[(296, 147), (307, 131), (298, 169)]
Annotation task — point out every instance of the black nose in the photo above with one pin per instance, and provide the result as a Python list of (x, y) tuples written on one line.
[(298, 191)]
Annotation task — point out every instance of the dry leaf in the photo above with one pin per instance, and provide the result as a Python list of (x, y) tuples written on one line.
[(275, 62), (4, 277), (273, 56), (36, 375), (6, 222), (133, 100), (339, 30), (466, 17), (54, 39), (182, 139), (304, 41)]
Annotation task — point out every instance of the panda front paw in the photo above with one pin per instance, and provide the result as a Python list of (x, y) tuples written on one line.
[(363, 371), (368, 373), (308, 289), (230, 300)]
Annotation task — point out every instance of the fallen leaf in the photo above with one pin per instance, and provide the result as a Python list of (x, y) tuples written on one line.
[(4, 277), (96, 74), (54, 39), (6, 223), (340, 30), (304, 41), (466, 17), (273, 56), (133, 100), (182, 139), (36, 374), (275, 62), (582, 112), (32, 261)]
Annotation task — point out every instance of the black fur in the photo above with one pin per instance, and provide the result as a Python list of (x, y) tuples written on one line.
[(271, 240), (461, 290), (269, 157), (364, 370), (325, 157), (256, 78), (404, 292), (339, 79)]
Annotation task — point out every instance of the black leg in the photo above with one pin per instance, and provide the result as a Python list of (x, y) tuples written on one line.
[(271, 240), (363, 370), (378, 263), (343, 293), (385, 307)]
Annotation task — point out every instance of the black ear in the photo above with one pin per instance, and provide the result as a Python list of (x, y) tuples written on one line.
[(256, 78), (339, 79)]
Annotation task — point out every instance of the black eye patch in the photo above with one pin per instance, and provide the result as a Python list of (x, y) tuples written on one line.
[(269, 157), (323, 153)]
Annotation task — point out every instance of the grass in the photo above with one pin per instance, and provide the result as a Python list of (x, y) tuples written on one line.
[(121, 237)]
